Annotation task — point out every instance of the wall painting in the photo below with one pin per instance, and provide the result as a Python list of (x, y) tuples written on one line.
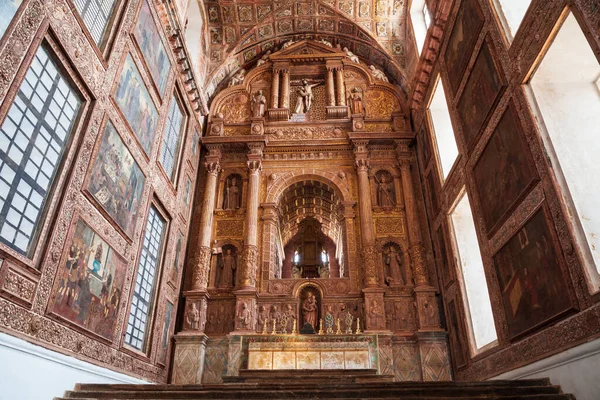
[(164, 341), (466, 30), (482, 90), (532, 283), (504, 172), (136, 104), (89, 283), (150, 43), (116, 181), (177, 259)]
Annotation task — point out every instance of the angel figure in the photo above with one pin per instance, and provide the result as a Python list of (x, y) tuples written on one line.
[(378, 74), (353, 57)]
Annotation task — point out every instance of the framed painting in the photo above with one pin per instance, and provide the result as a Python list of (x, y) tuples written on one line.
[(532, 282), (151, 46), (137, 106), (116, 181), (8, 9), (89, 283), (504, 172), (482, 91), (466, 30), (164, 341), (447, 268), (176, 259)]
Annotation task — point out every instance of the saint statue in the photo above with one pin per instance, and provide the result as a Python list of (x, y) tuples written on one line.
[(304, 97), (259, 102), (384, 193), (228, 266), (392, 260), (232, 195), (356, 103), (348, 319), (244, 316), (193, 317), (309, 310)]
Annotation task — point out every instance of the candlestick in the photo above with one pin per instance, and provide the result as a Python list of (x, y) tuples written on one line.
[(358, 332)]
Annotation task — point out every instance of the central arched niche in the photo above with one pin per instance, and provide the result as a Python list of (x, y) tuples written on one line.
[(310, 229)]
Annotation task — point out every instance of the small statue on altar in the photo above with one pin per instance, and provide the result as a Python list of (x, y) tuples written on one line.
[(349, 319), (232, 195), (289, 313), (263, 59), (275, 314), (309, 309), (376, 316), (356, 102), (378, 74), (263, 316), (238, 78), (353, 57), (259, 102), (329, 321), (244, 316), (193, 317), (393, 261)]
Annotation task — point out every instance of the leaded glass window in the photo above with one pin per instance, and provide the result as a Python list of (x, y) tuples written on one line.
[(141, 303), (172, 138), (96, 15), (33, 138)]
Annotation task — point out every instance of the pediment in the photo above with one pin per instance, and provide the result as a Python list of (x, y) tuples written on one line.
[(307, 48)]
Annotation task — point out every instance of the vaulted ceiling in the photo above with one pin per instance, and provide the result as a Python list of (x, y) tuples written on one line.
[(240, 32)]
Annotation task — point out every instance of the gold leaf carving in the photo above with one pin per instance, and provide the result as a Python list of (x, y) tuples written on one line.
[(236, 108), (380, 104), (230, 228), (236, 131), (389, 226)]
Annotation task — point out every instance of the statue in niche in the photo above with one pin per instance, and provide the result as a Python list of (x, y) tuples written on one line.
[(353, 57), (263, 315), (244, 316), (385, 193), (193, 317), (378, 74), (228, 267), (238, 78), (304, 97), (376, 316), (309, 310), (232, 194), (356, 102), (259, 102), (329, 321), (393, 261)]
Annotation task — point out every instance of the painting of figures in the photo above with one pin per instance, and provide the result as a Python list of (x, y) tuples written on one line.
[(8, 9), (116, 181), (465, 33), (532, 283), (164, 341), (176, 259), (504, 172), (152, 48), (481, 92), (89, 283), (137, 106)]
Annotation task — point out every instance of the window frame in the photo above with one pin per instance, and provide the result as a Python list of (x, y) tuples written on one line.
[(53, 202), (144, 352)]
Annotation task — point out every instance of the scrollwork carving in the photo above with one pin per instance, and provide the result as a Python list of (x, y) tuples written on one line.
[(200, 268), (249, 266)]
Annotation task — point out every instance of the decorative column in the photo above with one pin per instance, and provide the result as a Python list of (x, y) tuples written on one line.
[(373, 293), (340, 87), (330, 88), (275, 89), (192, 339), (246, 296), (284, 102)]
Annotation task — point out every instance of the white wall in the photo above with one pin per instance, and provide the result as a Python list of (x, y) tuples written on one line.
[(576, 370), (30, 372)]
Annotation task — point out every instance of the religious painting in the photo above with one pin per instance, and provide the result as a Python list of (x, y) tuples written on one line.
[(176, 259), (148, 39), (136, 104), (481, 93), (116, 181), (458, 352), (8, 9), (164, 341), (504, 172), (89, 283), (386, 193), (533, 285), (447, 268), (466, 30), (187, 191)]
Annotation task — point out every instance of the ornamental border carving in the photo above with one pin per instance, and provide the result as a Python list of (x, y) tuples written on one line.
[(338, 183)]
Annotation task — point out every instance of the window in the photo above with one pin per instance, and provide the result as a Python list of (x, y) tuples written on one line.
[(421, 19), (442, 128), (511, 13), (564, 88), (33, 138), (172, 138), (324, 256), (141, 303), (96, 15), (474, 285)]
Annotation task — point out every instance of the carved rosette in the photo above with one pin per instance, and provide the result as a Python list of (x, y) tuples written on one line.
[(369, 255), (417, 254), (250, 265), (201, 268)]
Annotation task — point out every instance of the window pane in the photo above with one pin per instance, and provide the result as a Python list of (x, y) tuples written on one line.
[(475, 289), (95, 15), (420, 18), (32, 142), (145, 280), (172, 138), (511, 14), (442, 129), (568, 98)]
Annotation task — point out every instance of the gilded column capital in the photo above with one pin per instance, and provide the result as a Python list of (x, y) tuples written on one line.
[(254, 166), (404, 163), (201, 268), (362, 165)]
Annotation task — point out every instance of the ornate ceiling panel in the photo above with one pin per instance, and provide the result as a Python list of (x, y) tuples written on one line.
[(243, 31)]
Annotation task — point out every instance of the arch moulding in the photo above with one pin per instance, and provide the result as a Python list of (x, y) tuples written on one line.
[(338, 183)]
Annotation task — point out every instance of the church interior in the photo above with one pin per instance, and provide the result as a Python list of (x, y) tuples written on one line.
[(332, 198)]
